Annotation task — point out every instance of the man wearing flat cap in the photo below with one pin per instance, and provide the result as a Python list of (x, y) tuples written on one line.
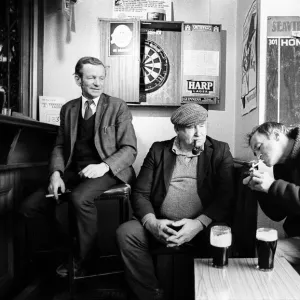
[(178, 187)]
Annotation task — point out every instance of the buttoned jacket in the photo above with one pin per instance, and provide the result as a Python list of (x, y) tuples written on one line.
[(214, 180)]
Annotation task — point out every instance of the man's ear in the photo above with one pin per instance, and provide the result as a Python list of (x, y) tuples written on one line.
[(77, 80), (276, 134), (175, 129)]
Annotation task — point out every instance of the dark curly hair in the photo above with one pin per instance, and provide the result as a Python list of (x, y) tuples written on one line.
[(267, 129)]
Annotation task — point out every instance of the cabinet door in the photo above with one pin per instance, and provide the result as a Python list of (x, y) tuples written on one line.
[(120, 52)]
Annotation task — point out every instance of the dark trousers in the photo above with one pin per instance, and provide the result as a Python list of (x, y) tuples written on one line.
[(135, 244), (83, 193)]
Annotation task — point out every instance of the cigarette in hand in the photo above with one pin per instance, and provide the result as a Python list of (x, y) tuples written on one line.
[(255, 163), (59, 194), (52, 195)]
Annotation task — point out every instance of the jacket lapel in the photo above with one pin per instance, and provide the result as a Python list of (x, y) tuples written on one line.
[(75, 110), (169, 164), (102, 103), (204, 162)]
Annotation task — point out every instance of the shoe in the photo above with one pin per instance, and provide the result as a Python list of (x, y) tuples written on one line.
[(63, 269), (159, 294)]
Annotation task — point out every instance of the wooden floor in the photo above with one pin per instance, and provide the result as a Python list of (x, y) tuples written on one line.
[(43, 284)]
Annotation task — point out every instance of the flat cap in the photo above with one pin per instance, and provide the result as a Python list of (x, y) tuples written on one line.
[(190, 114)]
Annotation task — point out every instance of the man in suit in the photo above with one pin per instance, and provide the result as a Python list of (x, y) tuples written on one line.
[(94, 150), (178, 187)]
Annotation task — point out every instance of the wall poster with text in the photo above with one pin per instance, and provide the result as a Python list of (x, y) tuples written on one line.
[(283, 70), (248, 95), (121, 39), (201, 63), (142, 9)]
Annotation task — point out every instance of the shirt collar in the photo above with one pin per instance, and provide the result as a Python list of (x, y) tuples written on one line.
[(178, 151), (96, 100)]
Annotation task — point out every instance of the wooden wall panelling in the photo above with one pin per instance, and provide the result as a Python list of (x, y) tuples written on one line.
[(122, 79), (7, 136), (9, 181), (24, 154)]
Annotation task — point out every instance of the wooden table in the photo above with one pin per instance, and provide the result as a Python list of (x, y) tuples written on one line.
[(240, 280)]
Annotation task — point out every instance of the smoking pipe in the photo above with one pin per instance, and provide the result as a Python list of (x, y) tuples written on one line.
[(196, 150)]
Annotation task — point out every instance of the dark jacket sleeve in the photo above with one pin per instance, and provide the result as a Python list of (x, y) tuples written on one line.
[(282, 199), (141, 195), (220, 208), (57, 162)]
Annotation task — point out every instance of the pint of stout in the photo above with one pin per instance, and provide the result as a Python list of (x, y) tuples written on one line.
[(266, 242), (220, 241)]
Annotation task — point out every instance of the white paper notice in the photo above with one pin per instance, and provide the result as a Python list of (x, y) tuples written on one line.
[(50, 109), (142, 9), (200, 62)]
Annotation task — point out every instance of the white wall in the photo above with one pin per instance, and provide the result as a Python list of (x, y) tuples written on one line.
[(62, 49)]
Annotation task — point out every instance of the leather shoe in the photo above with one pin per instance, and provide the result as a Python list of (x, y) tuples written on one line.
[(159, 294), (63, 269)]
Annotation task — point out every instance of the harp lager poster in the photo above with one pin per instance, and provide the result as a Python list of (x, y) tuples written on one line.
[(201, 63)]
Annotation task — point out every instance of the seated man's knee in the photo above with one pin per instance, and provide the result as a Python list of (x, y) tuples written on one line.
[(79, 200), (128, 234), (35, 205), (122, 234)]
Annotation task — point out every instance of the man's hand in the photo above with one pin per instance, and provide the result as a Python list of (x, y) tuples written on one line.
[(56, 182), (94, 170), (159, 229), (259, 181), (190, 228)]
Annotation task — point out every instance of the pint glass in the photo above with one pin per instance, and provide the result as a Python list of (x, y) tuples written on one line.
[(266, 242), (220, 241)]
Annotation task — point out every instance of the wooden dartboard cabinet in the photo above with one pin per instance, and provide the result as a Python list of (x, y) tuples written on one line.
[(143, 60)]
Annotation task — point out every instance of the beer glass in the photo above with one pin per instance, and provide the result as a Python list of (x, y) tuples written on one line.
[(266, 242), (220, 241)]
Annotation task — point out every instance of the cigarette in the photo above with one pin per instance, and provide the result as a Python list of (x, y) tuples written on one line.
[(59, 194), (255, 163), (52, 195)]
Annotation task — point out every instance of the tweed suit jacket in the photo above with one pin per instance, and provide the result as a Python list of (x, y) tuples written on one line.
[(215, 180), (114, 136)]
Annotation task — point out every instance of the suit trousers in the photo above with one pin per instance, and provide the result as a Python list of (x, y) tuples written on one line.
[(135, 244), (83, 194)]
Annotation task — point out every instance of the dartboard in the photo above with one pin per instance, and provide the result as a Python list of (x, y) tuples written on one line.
[(155, 67)]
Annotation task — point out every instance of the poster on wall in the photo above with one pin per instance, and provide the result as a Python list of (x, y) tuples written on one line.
[(121, 39), (201, 63), (248, 93), (283, 70), (49, 109), (142, 9)]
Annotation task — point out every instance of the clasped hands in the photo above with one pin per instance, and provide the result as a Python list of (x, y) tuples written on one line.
[(259, 181), (171, 238)]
